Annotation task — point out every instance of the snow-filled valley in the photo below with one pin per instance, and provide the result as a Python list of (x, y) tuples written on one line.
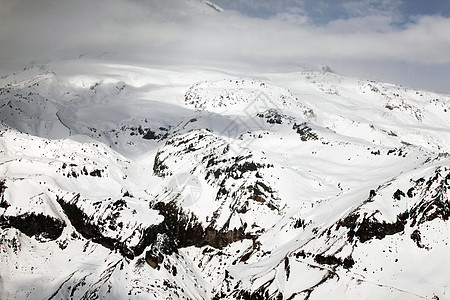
[(131, 182)]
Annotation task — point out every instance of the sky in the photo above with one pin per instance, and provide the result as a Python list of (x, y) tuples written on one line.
[(399, 41)]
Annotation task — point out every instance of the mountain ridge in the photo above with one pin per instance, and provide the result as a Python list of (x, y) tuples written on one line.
[(201, 184)]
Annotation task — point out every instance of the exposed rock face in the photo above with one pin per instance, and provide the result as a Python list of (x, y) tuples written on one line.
[(273, 116), (3, 203), (178, 230), (186, 231), (42, 227), (434, 195), (369, 227), (149, 134), (80, 221), (306, 133)]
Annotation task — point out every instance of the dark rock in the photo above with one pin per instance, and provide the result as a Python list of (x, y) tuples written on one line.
[(301, 254), (287, 267), (80, 221), (327, 260), (43, 227), (435, 203), (410, 192), (398, 194), (305, 132), (416, 237), (246, 256), (159, 167), (127, 194), (272, 116), (348, 263), (177, 230), (370, 228), (96, 173), (3, 202), (299, 223), (332, 260), (151, 135), (153, 260), (188, 232)]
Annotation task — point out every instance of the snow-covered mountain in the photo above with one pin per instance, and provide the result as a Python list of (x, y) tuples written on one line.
[(126, 182)]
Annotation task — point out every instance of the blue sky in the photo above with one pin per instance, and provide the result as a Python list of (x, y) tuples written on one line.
[(321, 12), (398, 41)]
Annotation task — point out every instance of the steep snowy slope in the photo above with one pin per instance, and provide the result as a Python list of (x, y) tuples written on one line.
[(203, 184)]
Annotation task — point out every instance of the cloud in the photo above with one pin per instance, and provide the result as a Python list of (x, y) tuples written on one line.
[(190, 32)]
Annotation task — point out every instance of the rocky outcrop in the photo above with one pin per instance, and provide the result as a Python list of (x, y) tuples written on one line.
[(369, 227), (186, 231), (43, 228), (273, 116), (3, 203), (434, 194), (80, 221), (178, 230), (306, 133)]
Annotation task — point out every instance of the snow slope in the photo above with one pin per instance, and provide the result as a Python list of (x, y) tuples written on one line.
[(152, 183)]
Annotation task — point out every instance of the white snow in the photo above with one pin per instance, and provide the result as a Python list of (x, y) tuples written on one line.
[(287, 157)]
